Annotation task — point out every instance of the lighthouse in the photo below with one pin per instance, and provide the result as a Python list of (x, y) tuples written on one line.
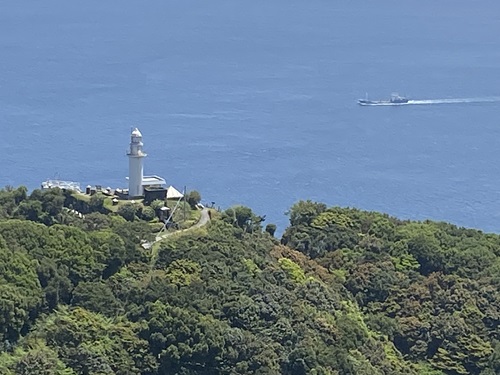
[(135, 165)]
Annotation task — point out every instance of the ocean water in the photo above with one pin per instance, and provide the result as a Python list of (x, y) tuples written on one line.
[(254, 102)]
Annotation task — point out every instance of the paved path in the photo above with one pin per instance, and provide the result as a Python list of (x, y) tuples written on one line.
[(204, 219)]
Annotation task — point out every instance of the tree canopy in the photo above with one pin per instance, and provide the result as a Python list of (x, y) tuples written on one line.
[(344, 292)]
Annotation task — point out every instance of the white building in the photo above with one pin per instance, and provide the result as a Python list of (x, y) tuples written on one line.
[(136, 179)]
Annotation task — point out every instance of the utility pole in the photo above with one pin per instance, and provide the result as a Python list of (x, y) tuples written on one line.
[(184, 203)]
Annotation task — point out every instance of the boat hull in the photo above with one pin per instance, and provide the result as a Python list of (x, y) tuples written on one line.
[(382, 102)]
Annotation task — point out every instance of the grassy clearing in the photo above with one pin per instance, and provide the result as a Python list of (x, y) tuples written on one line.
[(108, 203), (81, 196), (184, 216)]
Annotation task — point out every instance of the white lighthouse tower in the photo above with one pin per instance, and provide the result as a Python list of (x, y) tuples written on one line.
[(135, 167)]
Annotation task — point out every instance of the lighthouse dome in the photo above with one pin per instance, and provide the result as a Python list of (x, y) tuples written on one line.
[(136, 133)]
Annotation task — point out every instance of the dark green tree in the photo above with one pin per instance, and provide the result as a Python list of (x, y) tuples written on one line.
[(244, 218), (303, 212), (271, 229), (147, 213), (193, 198), (128, 211), (96, 202), (96, 297)]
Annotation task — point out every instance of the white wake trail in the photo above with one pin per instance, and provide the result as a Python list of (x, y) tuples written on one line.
[(491, 99)]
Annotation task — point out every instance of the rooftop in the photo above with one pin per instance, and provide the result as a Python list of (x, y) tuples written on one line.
[(152, 180)]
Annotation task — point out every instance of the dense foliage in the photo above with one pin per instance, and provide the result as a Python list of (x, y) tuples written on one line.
[(346, 292), (432, 288)]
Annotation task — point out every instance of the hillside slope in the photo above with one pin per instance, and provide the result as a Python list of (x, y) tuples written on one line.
[(345, 292)]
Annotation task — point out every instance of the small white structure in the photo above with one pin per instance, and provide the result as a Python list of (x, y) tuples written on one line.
[(173, 193), (68, 185), (135, 165)]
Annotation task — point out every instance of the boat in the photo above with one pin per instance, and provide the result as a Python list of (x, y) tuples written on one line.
[(395, 99)]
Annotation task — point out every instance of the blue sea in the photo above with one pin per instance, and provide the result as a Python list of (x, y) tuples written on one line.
[(255, 102)]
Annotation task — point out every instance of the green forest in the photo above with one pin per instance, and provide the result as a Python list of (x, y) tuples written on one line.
[(344, 291)]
